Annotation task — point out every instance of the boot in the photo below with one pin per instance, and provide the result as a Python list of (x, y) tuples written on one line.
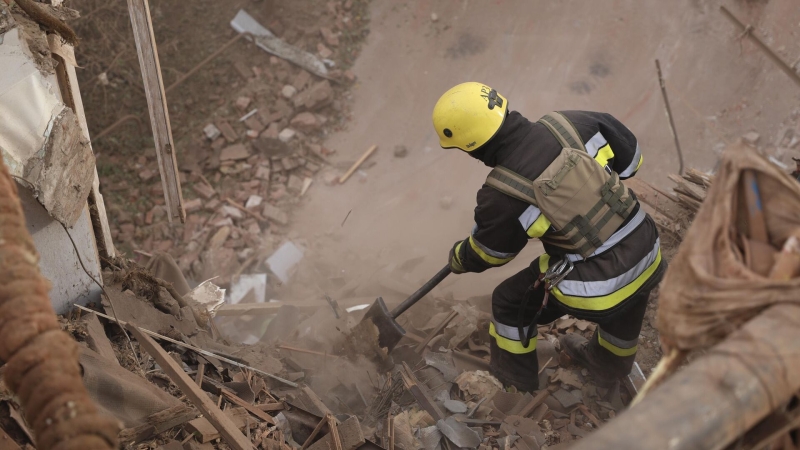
[(578, 349)]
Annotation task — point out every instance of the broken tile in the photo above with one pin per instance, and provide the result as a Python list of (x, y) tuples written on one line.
[(455, 406), (458, 433), (244, 284), (566, 378), (565, 398), (192, 205), (284, 260), (232, 212)]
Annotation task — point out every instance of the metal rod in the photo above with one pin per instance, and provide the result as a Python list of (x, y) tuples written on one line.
[(747, 30), (669, 116), (421, 292)]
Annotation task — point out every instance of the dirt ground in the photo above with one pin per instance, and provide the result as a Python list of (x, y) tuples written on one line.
[(407, 212)]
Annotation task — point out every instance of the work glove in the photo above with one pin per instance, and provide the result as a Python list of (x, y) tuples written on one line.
[(455, 258)]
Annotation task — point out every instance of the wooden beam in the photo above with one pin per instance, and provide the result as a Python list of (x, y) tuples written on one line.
[(227, 429), (231, 397), (711, 402), (419, 392), (139, 11)]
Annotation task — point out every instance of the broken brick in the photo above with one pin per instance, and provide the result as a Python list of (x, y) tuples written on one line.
[(324, 52), (243, 102), (329, 36), (234, 153), (275, 214), (192, 205), (272, 131), (227, 131), (204, 190), (314, 97), (286, 134), (262, 173), (295, 184), (305, 122), (254, 123)]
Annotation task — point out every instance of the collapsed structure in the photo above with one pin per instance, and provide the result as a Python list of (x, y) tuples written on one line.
[(151, 355)]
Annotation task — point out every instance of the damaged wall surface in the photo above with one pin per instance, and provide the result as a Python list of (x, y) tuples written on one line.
[(44, 142)]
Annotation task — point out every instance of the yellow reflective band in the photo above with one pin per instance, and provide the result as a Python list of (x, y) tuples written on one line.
[(457, 259), (607, 301), (485, 256), (604, 155), (641, 160), (539, 227), (510, 345), (614, 349)]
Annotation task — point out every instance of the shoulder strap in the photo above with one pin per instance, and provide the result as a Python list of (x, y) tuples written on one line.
[(512, 184), (563, 130)]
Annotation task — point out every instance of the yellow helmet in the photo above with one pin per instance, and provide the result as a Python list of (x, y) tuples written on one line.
[(468, 115)]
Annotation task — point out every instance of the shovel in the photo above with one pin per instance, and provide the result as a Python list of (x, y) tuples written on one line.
[(389, 331)]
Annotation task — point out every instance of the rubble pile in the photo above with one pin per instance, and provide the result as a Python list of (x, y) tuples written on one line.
[(244, 168), (178, 384)]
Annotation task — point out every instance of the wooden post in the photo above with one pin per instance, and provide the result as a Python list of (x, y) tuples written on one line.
[(713, 401), (669, 116), (747, 30), (139, 11), (227, 429)]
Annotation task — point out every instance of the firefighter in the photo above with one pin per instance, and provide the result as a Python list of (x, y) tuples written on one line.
[(558, 180)]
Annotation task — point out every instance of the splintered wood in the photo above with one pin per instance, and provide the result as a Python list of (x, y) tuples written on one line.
[(674, 211)]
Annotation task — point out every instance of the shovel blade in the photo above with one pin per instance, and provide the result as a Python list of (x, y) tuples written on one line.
[(389, 331)]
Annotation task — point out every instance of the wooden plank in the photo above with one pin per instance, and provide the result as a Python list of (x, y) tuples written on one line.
[(64, 54), (139, 11), (204, 431), (538, 400), (651, 196), (418, 391), (269, 407), (229, 431), (230, 396), (158, 423)]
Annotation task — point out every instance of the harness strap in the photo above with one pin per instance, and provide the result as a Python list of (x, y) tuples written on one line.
[(512, 184), (563, 130)]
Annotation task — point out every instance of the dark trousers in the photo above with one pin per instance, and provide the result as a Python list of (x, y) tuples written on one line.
[(618, 329)]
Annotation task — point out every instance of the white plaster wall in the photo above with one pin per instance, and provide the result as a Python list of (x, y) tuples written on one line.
[(58, 261)]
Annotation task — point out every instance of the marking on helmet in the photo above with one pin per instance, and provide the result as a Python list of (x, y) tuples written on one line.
[(471, 144)]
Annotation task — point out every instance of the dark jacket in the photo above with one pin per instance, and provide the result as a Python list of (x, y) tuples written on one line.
[(527, 148)]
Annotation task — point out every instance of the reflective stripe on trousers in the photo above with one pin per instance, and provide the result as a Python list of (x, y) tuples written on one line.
[(508, 339), (605, 294)]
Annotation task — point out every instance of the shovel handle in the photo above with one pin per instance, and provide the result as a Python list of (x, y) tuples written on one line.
[(421, 292)]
